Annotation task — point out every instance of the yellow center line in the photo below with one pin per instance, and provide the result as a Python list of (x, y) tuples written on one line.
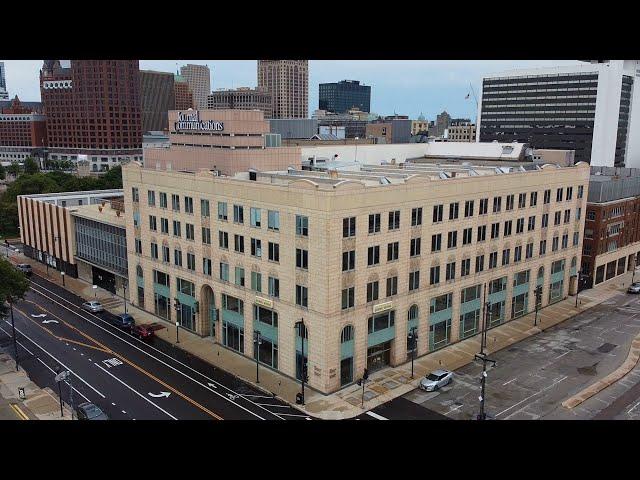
[(126, 360), (19, 412)]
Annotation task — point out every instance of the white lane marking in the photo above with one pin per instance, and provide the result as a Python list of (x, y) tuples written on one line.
[(45, 351), (273, 405), (530, 396), (135, 391), (633, 408), (123, 411), (512, 380), (113, 404), (159, 395), (40, 315), (212, 385), (18, 342), (376, 416), (562, 355), (257, 396), (155, 358), (74, 388), (293, 415), (46, 322)]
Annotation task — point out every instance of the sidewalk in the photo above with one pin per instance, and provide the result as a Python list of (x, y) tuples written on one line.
[(384, 385), (39, 404)]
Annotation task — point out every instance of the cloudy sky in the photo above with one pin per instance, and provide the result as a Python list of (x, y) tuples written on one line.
[(407, 87)]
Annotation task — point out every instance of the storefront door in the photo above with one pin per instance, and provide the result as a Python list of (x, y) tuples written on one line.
[(379, 356)]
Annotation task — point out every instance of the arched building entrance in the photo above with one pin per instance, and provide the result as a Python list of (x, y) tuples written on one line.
[(208, 312)]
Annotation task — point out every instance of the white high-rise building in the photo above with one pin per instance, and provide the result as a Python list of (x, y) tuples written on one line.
[(4, 95), (592, 107), (199, 79)]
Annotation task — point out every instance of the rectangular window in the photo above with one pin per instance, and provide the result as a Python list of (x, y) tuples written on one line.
[(153, 225), (465, 267), (135, 194), (302, 225), (392, 286), (545, 220), (495, 230), (482, 233), (567, 216), (238, 214), (222, 211), (529, 250), (517, 253), (177, 257), (256, 247), (274, 252), (138, 243), (416, 216), (393, 251), (507, 228), (436, 242), (191, 261), (497, 204), (206, 235), (556, 218), (437, 213), (466, 236), (493, 260), (373, 255), (175, 202), (484, 206), (580, 191), (189, 231), (522, 200), (372, 291), (506, 254), (479, 263), (273, 220), (394, 220), (543, 247), (453, 210), (468, 209), (533, 199), (576, 238), (151, 198), (239, 276), (509, 205), (348, 298), (452, 239), (154, 250), (450, 271), (256, 281), (254, 214), (374, 223), (302, 296), (274, 287), (565, 240), (520, 225), (223, 240), (415, 247), (176, 229), (302, 259), (188, 204), (559, 195), (206, 266), (348, 261), (238, 243), (434, 275), (204, 208), (163, 200), (348, 227), (547, 197), (414, 281), (532, 224)]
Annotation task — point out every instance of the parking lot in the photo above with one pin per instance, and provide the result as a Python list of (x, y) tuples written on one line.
[(533, 377)]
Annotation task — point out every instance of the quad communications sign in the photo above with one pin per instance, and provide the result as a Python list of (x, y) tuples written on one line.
[(191, 121)]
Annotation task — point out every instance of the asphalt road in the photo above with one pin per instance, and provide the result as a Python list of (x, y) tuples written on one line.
[(126, 377), (533, 377)]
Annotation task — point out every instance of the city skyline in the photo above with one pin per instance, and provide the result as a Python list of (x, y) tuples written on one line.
[(415, 86)]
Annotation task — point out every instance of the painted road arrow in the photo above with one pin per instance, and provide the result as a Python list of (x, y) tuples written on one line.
[(158, 395), (40, 315), (212, 385), (49, 321)]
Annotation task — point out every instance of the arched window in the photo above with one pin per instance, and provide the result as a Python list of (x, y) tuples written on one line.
[(413, 313), (347, 334), (574, 262), (541, 272), (139, 271), (306, 331)]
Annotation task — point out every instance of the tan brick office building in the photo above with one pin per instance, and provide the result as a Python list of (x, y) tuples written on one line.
[(361, 256)]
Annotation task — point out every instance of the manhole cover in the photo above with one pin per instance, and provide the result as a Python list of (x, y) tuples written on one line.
[(606, 347)]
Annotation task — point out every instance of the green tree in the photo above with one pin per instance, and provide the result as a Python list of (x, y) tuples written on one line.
[(14, 284), (14, 169), (30, 166), (3, 172), (113, 178)]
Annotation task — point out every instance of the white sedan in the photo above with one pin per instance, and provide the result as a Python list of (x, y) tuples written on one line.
[(436, 380), (93, 306)]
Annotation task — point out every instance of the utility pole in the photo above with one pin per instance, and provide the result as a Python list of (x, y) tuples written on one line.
[(302, 330), (538, 301), (578, 287), (124, 288), (257, 341), (13, 329), (633, 275), (71, 393), (483, 380), (362, 381)]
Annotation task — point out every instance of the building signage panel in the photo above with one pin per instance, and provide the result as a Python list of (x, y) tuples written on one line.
[(264, 302), (382, 307), (191, 121)]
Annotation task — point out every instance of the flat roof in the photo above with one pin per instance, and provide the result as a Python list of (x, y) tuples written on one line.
[(67, 195), (92, 212)]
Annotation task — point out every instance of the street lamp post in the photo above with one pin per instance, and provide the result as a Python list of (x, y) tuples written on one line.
[(538, 299), (13, 329), (635, 264), (124, 288), (577, 287), (303, 373), (176, 304), (62, 274), (483, 380), (58, 381), (356, 139), (46, 261), (257, 341), (362, 381), (95, 291), (413, 336)]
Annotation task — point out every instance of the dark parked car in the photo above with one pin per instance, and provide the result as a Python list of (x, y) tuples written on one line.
[(143, 331), (89, 411), (123, 320), (24, 268)]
